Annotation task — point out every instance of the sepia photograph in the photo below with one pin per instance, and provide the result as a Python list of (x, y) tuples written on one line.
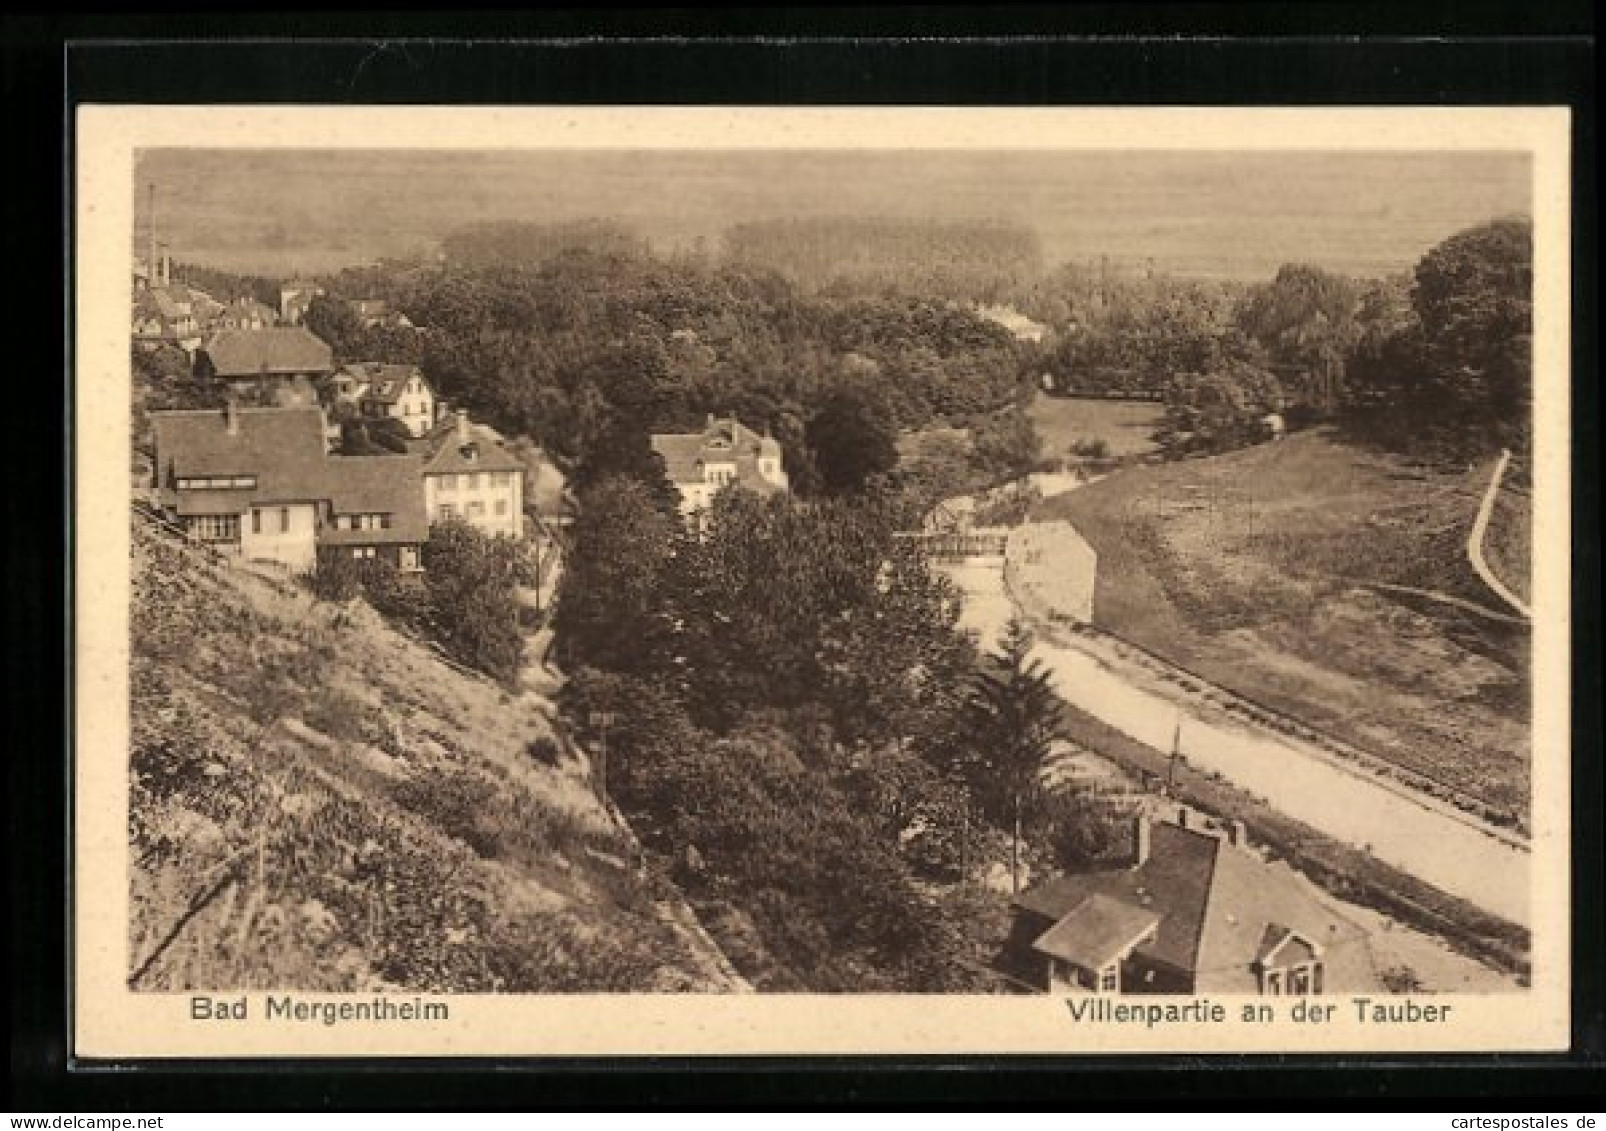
[(674, 580)]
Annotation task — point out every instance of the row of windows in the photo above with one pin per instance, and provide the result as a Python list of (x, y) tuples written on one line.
[(362, 522), (472, 480), (218, 481), (216, 527), (472, 510)]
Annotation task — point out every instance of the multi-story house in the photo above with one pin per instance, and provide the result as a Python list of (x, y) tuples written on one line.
[(256, 483), (469, 473), (250, 482), (399, 392), (376, 509), (725, 453)]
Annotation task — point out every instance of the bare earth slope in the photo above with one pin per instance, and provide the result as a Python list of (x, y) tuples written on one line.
[(319, 803), (1329, 583)]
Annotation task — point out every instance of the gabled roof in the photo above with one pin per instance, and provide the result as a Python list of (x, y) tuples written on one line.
[(377, 485), (282, 447), (1217, 907), (446, 452), (386, 382), (269, 350), (1098, 932), (720, 441)]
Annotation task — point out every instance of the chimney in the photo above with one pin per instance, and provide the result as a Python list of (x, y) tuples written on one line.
[(464, 434), (1182, 816), (1237, 835), (231, 415), (1142, 842)]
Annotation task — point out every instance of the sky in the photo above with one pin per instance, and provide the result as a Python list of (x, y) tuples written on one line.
[(1217, 214)]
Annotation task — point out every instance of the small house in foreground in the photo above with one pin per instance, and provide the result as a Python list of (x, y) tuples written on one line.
[(1195, 912)]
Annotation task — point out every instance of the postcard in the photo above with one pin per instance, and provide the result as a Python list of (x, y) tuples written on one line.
[(611, 581)]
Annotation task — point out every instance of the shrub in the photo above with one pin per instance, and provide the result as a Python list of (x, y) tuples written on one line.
[(544, 750)]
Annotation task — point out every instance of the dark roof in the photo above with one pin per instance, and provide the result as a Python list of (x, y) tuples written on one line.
[(446, 452), (1099, 931), (377, 485), (720, 441), (269, 350), (386, 382), (1215, 904), (282, 447)]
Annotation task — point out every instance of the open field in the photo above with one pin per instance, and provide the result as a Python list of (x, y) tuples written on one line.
[(1328, 583), (1124, 426)]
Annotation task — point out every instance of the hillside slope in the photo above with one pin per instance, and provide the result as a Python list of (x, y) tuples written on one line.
[(319, 803), (1332, 584)]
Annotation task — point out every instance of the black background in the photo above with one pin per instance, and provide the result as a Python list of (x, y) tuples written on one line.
[(1243, 54)]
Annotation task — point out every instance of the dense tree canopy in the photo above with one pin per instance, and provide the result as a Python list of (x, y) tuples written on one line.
[(1452, 375), (851, 441), (580, 348)]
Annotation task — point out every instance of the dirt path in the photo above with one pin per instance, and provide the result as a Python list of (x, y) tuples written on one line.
[(1480, 527)]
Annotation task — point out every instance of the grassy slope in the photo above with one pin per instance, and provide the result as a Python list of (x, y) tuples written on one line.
[(1260, 570), (1124, 426), (321, 804)]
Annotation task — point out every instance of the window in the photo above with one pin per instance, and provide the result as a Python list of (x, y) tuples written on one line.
[(1110, 979), (448, 483), (445, 511), (384, 522), (216, 527), (501, 506), (501, 478), (476, 509), (256, 521), (284, 520), (1274, 982), (473, 481)]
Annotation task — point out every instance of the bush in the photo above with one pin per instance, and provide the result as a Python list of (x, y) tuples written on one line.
[(1081, 834), (544, 750)]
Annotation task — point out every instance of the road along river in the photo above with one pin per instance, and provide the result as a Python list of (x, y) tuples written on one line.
[(1429, 839)]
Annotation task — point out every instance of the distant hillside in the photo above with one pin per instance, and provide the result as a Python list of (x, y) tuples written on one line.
[(953, 258), (319, 803), (1328, 582)]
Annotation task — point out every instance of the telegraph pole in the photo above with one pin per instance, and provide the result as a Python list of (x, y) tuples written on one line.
[(1176, 755)]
